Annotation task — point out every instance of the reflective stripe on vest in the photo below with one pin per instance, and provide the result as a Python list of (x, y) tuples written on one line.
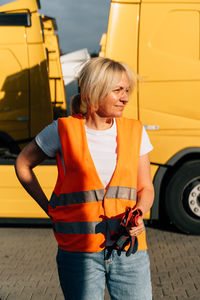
[(116, 192), (121, 192), (86, 227)]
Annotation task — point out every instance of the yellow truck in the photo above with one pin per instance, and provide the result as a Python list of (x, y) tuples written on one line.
[(160, 41), (31, 95)]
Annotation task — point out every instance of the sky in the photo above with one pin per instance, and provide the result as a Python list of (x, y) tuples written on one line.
[(80, 22)]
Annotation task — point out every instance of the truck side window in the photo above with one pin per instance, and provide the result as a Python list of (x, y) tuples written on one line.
[(42, 27), (15, 19)]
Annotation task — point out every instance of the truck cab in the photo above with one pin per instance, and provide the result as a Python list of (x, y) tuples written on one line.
[(31, 84)]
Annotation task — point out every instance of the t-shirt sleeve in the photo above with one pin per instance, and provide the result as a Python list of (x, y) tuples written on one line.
[(146, 145), (48, 140)]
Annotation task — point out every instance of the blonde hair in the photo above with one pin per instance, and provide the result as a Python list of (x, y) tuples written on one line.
[(97, 78)]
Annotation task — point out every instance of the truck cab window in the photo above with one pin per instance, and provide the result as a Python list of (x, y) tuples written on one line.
[(15, 19)]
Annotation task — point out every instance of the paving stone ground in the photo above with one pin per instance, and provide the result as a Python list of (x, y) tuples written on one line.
[(28, 267)]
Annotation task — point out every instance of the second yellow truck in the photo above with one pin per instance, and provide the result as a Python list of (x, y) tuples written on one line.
[(160, 41)]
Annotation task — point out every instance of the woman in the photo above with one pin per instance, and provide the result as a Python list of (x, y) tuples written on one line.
[(103, 168)]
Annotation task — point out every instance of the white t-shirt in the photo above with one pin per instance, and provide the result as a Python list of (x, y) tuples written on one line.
[(102, 145)]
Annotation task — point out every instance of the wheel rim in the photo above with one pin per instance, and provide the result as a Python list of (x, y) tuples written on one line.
[(191, 198)]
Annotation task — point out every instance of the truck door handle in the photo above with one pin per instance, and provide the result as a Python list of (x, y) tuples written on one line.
[(151, 127), (21, 119)]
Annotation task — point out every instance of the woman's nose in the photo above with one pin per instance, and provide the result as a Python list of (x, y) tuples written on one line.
[(124, 97)]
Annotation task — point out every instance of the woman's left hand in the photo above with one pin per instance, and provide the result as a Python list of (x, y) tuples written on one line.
[(136, 230)]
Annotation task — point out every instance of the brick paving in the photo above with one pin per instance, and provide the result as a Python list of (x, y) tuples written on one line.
[(175, 265), (28, 267)]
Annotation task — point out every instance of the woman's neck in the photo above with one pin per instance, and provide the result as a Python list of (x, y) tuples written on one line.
[(95, 122)]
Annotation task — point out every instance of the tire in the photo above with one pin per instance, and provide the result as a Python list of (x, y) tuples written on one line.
[(182, 198)]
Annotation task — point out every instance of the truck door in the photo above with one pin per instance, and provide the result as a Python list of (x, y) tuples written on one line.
[(169, 64), (14, 76)]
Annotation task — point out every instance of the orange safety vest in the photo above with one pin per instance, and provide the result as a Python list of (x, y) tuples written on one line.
[(82, 210)]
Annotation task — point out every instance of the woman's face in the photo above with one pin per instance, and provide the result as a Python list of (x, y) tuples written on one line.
[(114, 103)]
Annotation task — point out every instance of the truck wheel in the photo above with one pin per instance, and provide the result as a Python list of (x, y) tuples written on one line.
[(182, 198)]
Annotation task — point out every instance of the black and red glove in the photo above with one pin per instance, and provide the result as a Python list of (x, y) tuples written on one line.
[(129, 219)]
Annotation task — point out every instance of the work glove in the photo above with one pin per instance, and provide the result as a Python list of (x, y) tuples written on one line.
[(129, 219)]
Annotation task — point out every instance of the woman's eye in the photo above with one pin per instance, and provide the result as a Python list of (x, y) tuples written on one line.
[(118, 90)]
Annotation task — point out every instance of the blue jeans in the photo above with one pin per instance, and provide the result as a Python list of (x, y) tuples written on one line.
[(83, 275)]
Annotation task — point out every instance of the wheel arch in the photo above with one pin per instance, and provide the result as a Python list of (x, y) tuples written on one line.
[(7, 141), (165, 171)]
